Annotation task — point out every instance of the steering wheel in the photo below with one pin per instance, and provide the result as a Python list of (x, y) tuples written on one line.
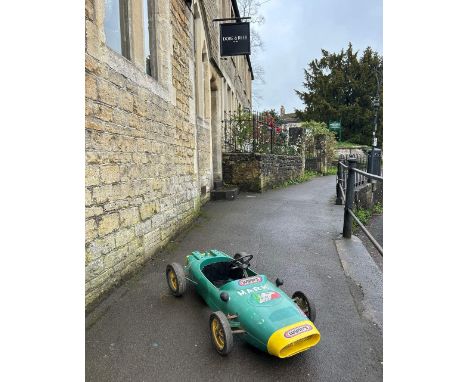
[(242, 262)]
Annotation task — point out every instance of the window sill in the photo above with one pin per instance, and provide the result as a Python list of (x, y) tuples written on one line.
[(135, 73)]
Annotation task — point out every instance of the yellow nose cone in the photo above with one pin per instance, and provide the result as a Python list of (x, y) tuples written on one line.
[(293, 339)]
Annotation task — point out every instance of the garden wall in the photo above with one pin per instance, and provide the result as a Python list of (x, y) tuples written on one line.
[(366, 196), (258, 172), (358, 151)]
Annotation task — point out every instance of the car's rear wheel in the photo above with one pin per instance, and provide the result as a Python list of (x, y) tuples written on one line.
[(306, 305), (175, 277), (221, 333)]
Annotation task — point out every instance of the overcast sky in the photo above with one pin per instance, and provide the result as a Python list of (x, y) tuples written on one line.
[(293, 34)]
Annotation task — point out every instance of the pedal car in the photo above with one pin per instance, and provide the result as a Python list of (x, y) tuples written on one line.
[(246, 304)]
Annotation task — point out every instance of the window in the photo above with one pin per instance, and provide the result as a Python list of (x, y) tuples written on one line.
[(130, 29), (149, 37), (116, 26), (146, 38)]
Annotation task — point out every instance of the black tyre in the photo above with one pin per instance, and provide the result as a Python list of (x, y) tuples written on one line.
[(306, 305), (221, 333), (175, 277)]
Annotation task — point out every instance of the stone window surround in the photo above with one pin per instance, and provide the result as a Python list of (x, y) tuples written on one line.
[(135, 69), (153, 34)]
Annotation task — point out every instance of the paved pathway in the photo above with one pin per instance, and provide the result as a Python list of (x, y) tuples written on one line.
[(141, 333)]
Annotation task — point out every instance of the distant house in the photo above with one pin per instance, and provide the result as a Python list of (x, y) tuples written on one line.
[(290, 123)]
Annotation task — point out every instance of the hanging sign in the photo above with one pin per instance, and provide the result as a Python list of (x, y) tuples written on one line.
[(235, 39)]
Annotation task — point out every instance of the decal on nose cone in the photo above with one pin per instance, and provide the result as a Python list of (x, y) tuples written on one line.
[(250, 280), (299, 330), (266, 296)]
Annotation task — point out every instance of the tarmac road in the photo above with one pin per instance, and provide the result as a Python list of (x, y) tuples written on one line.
[(142, 333)]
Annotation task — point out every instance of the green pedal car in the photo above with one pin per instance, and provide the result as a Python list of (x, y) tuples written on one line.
[(246, 304)]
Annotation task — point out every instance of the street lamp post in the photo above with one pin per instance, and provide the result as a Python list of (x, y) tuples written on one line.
[(376, 105)]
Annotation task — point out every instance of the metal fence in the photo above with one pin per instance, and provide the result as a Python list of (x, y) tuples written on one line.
[(254, 132), (348, 178), (360, 164)]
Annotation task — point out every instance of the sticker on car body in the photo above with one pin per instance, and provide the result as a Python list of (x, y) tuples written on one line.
[(266, 296), (250, 280), (248, 291), (299, 330)]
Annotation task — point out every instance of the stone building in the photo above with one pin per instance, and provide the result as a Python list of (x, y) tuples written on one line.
[(289, 119), (156, 90)]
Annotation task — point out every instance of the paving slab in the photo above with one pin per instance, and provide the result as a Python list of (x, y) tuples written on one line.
[(142, 333), (364, 273)]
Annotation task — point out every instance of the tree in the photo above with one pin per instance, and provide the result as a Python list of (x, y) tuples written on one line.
[(342, 86)]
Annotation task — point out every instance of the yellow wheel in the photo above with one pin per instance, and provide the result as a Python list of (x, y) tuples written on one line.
[(175, 277), (221, 334), (173, 280)]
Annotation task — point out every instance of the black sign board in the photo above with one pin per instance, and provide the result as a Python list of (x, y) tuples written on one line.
[(235, 39)]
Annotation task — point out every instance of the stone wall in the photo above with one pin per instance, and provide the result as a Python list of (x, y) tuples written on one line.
[(141, 177), (359, 151), (149, 152), (367, 195), (258, 172)]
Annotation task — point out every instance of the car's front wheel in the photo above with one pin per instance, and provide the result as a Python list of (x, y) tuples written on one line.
[(175, 277), (306, 305), (221, 333)]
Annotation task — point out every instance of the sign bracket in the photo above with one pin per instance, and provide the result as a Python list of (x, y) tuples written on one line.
[(231, 19)]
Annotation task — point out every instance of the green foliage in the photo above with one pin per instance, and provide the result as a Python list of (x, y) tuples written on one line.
[(318, 128), (340, 86), (377, 209), (331, 170), (281, 144), (319, 138), (242, 130), (241, 124), (308, 175), (346, 145), (364, 215)]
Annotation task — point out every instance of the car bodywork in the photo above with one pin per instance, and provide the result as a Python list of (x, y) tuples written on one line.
[(257, 309)]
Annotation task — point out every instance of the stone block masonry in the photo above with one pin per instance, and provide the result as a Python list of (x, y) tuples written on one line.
[(141, 180), (367, 195), (258, 172), (152, 127)]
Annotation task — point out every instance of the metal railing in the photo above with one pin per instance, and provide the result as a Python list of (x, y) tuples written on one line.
[(361, 164), (254, 132), (348, 178)]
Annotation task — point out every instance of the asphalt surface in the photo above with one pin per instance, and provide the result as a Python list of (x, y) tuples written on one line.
[(142, 333)]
